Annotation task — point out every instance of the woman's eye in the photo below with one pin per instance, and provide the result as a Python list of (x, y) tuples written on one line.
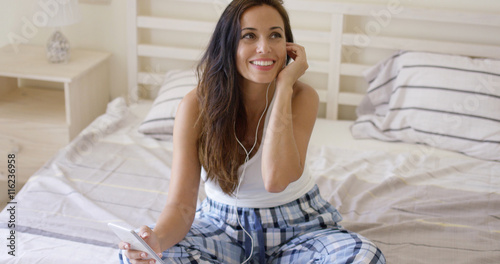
[(248, 36), (276, 35)]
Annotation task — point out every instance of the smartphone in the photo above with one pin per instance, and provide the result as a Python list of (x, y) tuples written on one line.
[(135, 241)]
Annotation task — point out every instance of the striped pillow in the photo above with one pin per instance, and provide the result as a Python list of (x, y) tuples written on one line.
[(159, 122), (446, 101)]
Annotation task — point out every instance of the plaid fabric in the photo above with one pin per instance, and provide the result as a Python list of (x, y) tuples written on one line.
[(302, 231)]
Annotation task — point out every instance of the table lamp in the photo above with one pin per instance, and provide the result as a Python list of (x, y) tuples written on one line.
[(63, 13)]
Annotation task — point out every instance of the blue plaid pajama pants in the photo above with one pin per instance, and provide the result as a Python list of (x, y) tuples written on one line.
[(302, 231)]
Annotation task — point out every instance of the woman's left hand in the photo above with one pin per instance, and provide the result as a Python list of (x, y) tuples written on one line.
[(292, 72)]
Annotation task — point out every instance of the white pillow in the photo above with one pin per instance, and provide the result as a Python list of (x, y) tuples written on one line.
[(446, 101), (159, 122)]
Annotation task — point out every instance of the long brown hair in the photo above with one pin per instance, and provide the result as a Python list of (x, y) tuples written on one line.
[(221, 105)]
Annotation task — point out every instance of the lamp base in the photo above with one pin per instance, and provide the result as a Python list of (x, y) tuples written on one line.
[(58, 48)]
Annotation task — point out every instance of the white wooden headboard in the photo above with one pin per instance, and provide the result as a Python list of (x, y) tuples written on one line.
[(341, 40)]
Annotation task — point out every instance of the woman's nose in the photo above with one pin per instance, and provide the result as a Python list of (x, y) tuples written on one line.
[(263, 46)]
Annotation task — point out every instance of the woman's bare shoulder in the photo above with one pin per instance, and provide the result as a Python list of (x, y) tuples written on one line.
[(304, 91), (191, 99), (189, 104), (188, 111)]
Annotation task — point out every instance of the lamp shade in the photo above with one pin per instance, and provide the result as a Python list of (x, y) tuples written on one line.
[(60, 12)]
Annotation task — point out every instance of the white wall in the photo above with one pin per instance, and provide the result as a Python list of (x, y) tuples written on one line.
[(471, 5), (103, 27)]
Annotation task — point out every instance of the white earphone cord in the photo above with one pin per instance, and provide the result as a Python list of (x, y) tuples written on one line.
[(247, 158)]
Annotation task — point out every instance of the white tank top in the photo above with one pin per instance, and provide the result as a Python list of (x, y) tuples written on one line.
[(252, 192)]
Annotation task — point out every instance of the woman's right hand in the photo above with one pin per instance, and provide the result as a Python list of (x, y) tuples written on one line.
[(136, 256)]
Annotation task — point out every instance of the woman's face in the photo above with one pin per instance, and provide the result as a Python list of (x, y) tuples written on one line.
[(261, 51)]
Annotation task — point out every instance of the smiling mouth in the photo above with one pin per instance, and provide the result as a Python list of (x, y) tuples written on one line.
[(262, 63)]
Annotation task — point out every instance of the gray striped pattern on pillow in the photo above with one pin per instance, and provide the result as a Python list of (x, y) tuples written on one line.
[(159, 122), (446, 101)]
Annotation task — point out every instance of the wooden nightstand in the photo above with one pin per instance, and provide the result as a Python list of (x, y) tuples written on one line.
[(36, 122)]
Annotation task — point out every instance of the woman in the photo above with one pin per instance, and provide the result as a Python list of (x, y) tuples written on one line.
[(246, 128)]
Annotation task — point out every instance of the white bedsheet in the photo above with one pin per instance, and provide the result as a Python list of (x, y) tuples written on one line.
[(420, 205)]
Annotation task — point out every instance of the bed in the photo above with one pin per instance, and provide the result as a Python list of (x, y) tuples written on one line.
[(406, 145)]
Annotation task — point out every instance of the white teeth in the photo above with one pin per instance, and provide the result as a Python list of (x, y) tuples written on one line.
[(262, 63)]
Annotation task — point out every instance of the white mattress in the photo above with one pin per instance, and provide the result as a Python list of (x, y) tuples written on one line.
[(338, 134)]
